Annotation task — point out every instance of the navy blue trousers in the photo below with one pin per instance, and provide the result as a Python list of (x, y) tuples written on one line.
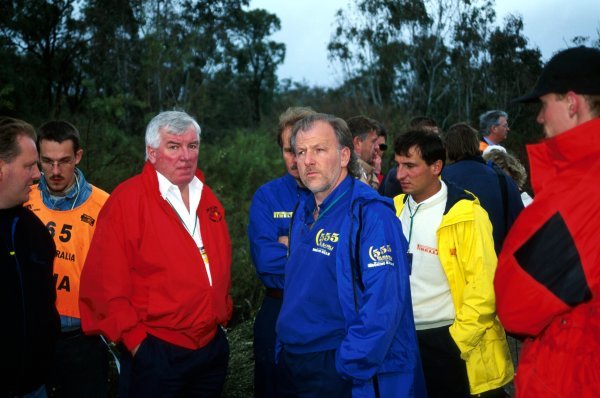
[(270, 378), (162, 370), (445, 371), (315, 376)]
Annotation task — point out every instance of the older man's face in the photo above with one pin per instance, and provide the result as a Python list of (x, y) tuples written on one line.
[(176, 157), (500, 130), (322, 164), (366, 149)]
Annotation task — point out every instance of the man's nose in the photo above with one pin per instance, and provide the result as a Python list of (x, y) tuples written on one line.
[(35, 173), (400, 173), (308, 158), (540, 117), (185, 153)]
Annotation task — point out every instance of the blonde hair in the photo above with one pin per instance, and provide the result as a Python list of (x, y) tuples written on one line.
[(510, 164)]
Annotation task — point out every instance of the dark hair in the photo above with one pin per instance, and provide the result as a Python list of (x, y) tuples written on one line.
[(594, 103), (419, 122), (59, 131), (381, 130), (289, 118), (342, 134), (360, 126), (461, 142), (10, 130), (489, 119), (429, 144)]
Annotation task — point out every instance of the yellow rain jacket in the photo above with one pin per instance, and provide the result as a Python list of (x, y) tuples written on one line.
[(466, 252)]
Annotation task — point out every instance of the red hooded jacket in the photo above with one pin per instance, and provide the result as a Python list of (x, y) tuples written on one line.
[(548, 277)]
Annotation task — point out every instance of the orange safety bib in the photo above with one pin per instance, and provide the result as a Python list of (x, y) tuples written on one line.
[(72, 231)]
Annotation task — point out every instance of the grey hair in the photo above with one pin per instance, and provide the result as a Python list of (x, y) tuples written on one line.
[(173, 122), (342, 134), (489, 119)]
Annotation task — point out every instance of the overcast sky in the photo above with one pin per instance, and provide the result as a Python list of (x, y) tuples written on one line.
[(306, 27)]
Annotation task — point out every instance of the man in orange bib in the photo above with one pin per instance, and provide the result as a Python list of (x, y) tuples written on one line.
[(68, 205)]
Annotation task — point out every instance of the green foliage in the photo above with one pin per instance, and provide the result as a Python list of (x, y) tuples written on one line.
[(235, 166), (110, 156), (256, 59), (240, 375)]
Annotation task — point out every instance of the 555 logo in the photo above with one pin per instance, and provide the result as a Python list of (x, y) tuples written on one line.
[(380, 256), (325, 242)]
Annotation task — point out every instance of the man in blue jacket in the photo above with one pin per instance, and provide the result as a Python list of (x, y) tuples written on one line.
[(497, 192), (270, 214), (346, 323)]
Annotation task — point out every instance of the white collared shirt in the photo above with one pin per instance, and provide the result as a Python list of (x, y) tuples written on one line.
[(429, 286), (172, 195)]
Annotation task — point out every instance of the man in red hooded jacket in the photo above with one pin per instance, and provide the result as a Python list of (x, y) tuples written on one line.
[(157, 274), (548, 277)]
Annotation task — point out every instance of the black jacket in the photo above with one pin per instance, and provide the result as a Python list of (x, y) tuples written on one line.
[(30, 322)]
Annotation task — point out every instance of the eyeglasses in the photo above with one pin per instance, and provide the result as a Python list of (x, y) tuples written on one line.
[(382, 147), (49, 164)]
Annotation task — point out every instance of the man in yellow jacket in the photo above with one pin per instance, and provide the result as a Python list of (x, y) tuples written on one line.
[(463, 346)]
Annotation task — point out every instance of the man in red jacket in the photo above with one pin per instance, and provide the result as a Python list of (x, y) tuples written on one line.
[(157, 274), (548, 277)]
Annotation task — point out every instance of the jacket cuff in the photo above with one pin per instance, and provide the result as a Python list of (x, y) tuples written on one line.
[(132, 338)]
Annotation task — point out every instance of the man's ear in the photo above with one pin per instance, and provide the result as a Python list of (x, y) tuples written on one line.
[(437, 167), (345, 155), (357, 143), (151, 154), (575, 103), (78, 156)]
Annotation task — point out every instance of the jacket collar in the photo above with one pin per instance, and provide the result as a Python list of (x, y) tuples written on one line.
[(77, 194), (151, 179), (553, 155)]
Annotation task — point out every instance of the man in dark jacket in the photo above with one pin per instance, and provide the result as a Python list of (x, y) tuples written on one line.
[(26, 254), (497, 192)]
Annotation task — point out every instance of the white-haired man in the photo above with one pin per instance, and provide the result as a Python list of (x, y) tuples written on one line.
[(157, 275)]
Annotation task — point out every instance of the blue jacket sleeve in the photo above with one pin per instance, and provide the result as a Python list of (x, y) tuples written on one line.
[(384, 305), (515, 204), (268, 255)]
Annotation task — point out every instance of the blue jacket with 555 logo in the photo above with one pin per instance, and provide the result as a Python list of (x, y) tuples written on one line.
[(347, 289)]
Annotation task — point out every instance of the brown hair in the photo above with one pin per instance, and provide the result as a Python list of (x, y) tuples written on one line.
[(594, 103), (289, 118), (461, 142), (10, 130)]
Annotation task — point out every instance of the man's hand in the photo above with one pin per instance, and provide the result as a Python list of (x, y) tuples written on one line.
[(376, 163), (285, 240)]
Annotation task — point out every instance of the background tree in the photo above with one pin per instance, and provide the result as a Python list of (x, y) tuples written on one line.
[(48, 43), (256, 58)]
